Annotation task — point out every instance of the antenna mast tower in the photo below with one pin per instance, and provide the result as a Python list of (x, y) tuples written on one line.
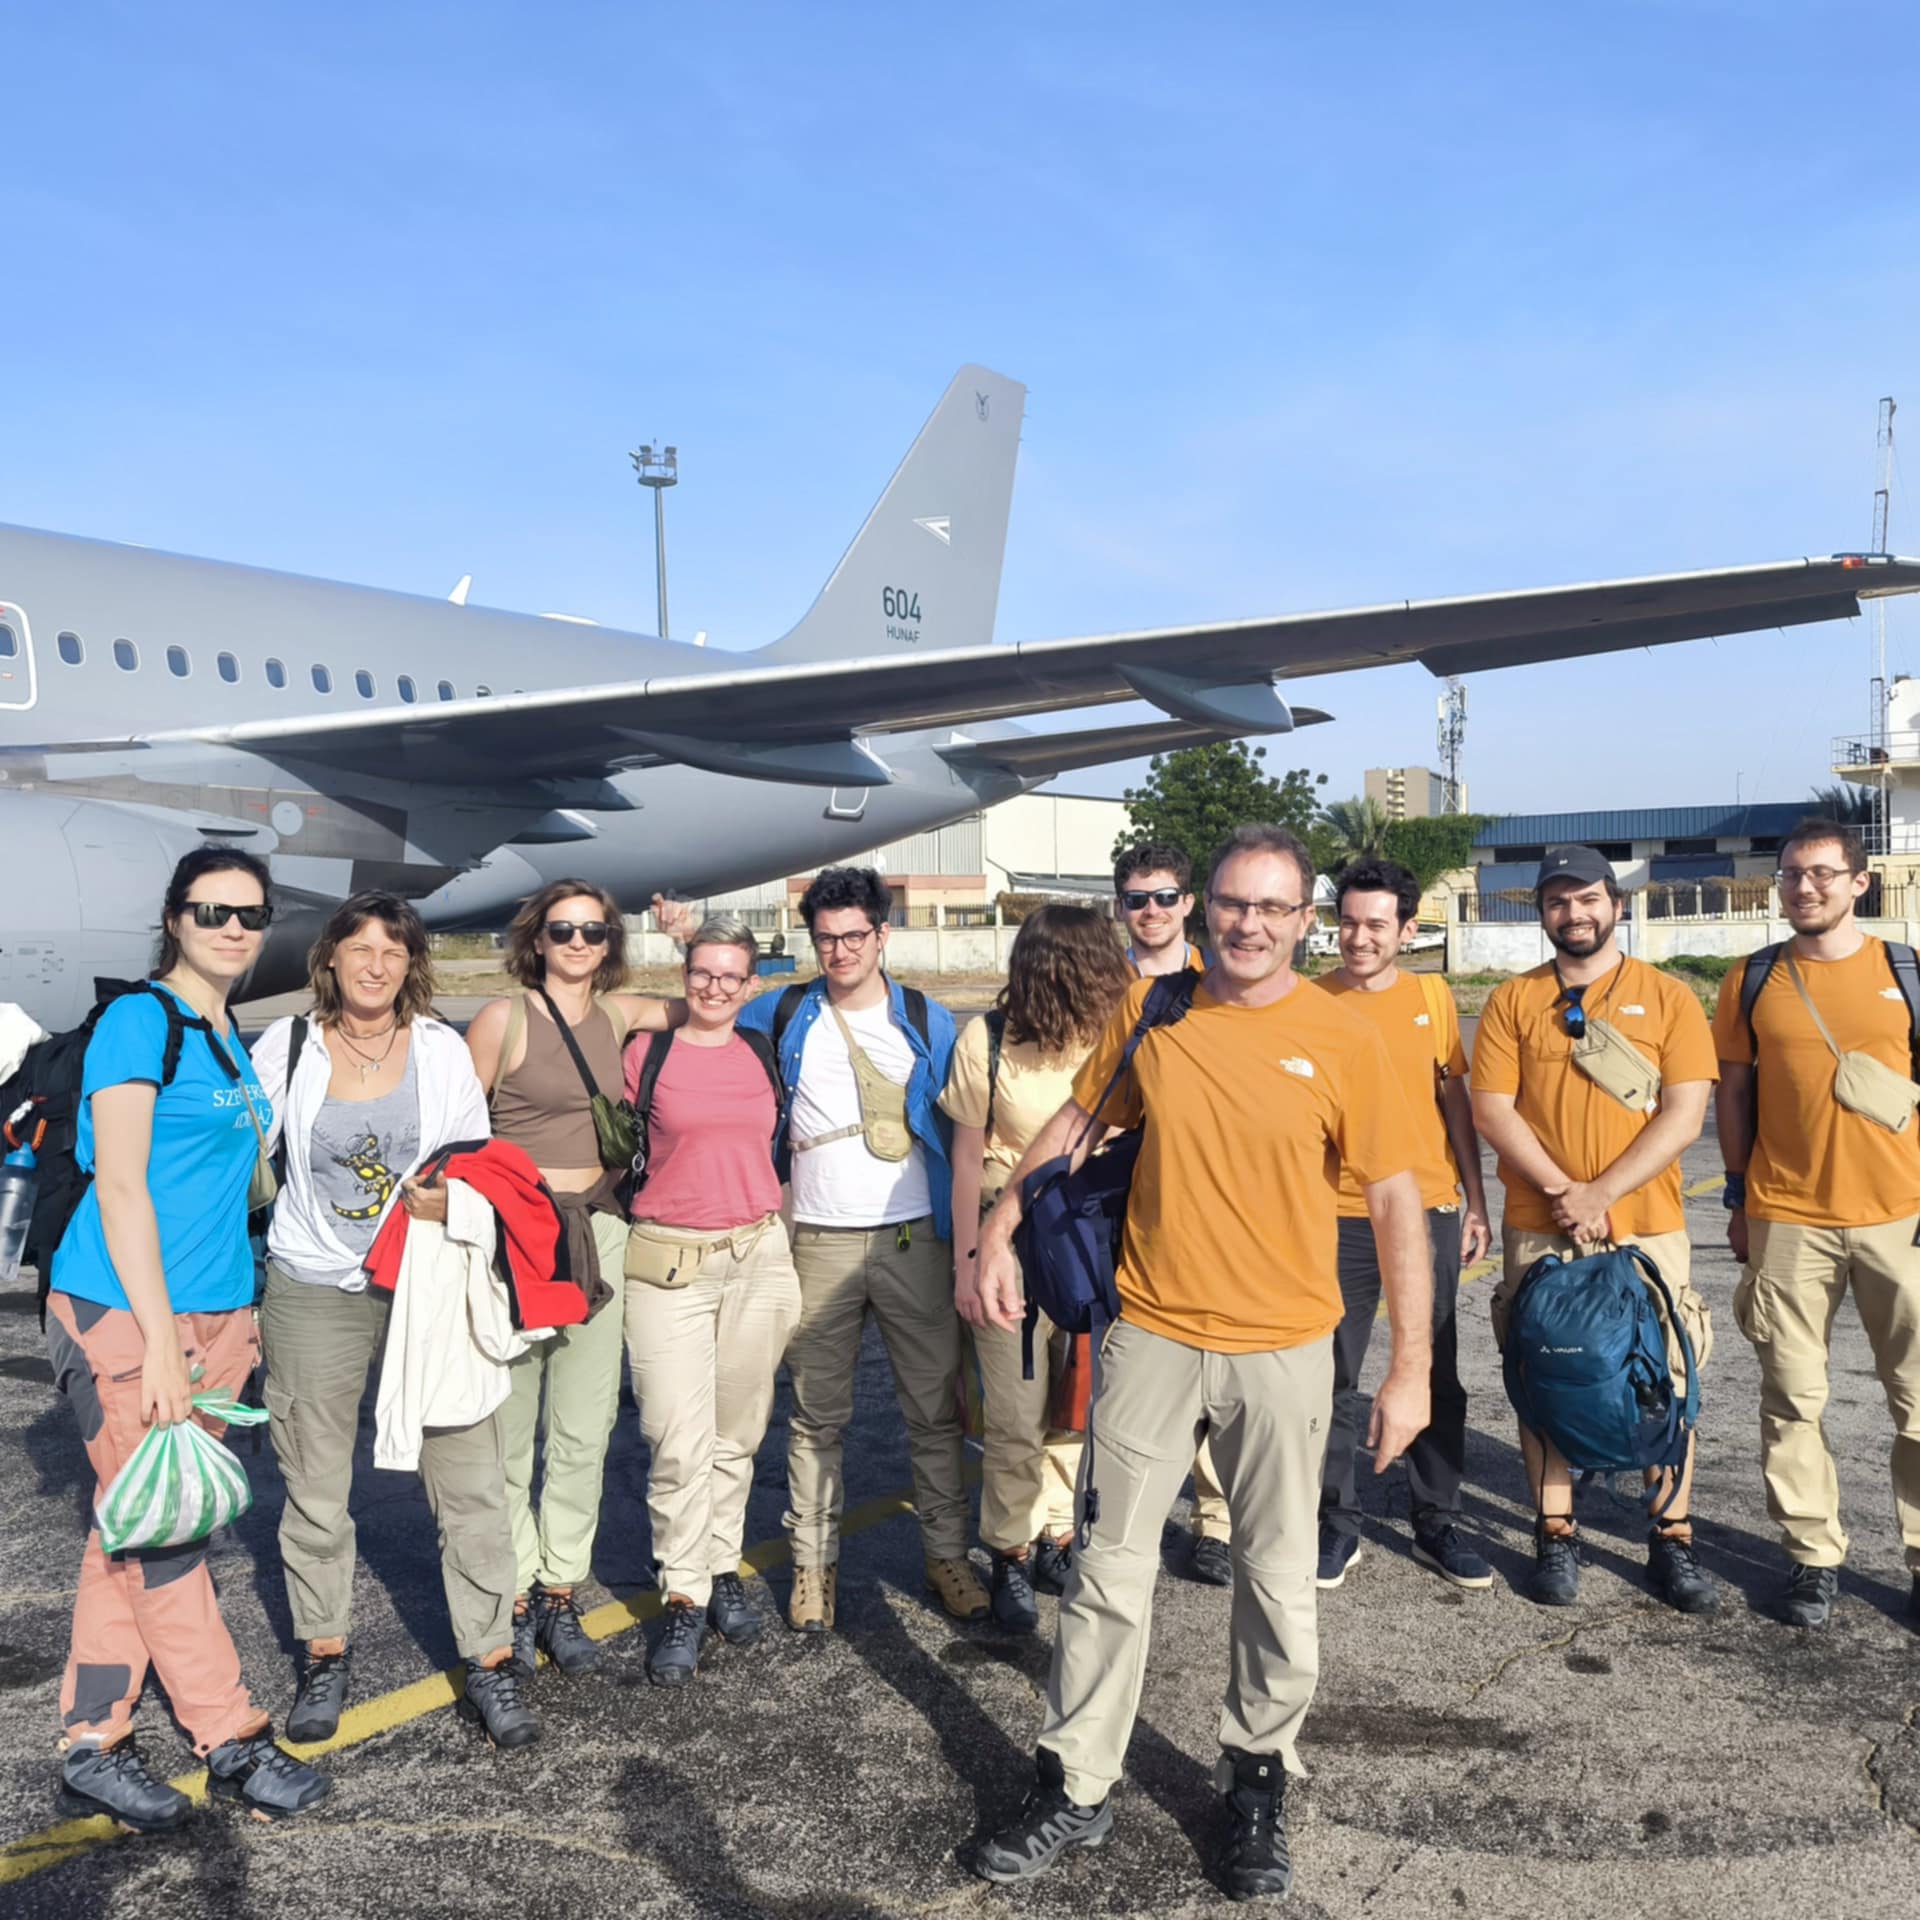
[(1883, 493), (1452, 741)]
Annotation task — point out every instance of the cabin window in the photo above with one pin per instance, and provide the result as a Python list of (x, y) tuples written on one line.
[(363, 684), (405, 686), (322, 680), (177, 662), (483, 693), (70, 649), (126, 656), (276, 674), (9, 642), (229, 668), (445, 689)]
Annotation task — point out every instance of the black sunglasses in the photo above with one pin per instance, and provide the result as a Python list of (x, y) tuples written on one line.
[(1137, 897), (216, 913), (1573, 1014), (593, 932)]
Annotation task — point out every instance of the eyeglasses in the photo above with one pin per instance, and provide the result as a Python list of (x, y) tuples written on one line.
[(1268, 910), (593, 932), (1137, 897), (853, 942), (216, 913), (703, 981), (1822, 877)]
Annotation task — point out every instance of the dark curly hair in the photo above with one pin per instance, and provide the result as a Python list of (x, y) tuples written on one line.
[(1065, 976), (834, 888), (524, 960), (1151, 856), (1381, 876)]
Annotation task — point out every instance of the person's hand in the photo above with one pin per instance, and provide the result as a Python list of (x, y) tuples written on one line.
[(1003, 1302), (166, 1394), (1476, 1235), (424, 1200), (675, 918), (966, 1289), (1401, 1412), (1737, 1234), (1580, 1211)]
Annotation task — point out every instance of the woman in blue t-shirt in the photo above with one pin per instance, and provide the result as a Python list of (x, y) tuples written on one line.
[(151, 1301)]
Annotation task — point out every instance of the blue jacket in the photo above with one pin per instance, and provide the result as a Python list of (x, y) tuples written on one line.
[(928, 1080)]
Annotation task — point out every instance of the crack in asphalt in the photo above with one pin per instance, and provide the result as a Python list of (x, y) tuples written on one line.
[(1876, 1786), (1607, 1619)]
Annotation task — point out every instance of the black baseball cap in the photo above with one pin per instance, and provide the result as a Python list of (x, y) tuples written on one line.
[(1582, 864)]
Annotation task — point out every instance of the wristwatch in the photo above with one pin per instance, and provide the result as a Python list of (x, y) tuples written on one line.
[(1734, 1195)]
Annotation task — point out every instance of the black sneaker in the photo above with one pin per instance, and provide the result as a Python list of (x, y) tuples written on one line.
[(1338, 1552), (115, 1781), (676, 1654), (265, 1778), (526, 1637), (1447, 1551), (562, 1639), (1555, 1580), (496, 1702), (732, 1615), (1210, 1561), (1049, 1825), (1012, 1597), (1050, 1561), (1256, 1863), (1811, 1592), (322, 1693), (1678, 1577)]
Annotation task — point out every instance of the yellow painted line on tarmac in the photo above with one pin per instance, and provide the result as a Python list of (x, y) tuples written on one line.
[(21, 1859)]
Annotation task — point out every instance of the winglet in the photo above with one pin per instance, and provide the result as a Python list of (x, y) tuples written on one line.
[(459, 595)]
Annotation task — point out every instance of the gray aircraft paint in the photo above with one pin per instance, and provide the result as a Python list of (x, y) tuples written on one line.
[(149, 702)]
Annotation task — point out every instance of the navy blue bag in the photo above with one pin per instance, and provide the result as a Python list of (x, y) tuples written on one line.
[(1586, 1363), (1071, 1220)]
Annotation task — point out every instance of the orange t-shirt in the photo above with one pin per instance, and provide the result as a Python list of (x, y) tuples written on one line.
[(1523, 1048), (1813, 1162), (1231, 1233), (1406, 1024)]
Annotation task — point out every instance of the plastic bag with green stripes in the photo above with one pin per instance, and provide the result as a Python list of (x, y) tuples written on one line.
[(179, 1484)]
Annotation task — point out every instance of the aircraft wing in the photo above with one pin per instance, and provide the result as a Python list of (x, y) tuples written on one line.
[(804, 721)]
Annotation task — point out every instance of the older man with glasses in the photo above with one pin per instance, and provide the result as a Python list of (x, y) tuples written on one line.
[(1583, 1169), (1823, 1192)]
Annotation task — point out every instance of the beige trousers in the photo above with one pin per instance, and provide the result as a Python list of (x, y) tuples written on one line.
[(845, 1273), (703, 1358), (1029, 1469), (1209, 1519), (1268, 1415), (578, 1374), (1785, 1304)]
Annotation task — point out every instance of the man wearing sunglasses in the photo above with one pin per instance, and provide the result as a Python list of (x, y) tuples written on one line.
[(1822, 1196), (1153, 896), (1581, 1169)]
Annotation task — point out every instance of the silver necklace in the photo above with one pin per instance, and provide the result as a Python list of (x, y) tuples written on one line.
[(367, 1063)]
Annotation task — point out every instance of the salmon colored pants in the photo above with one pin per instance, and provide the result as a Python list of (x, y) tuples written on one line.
[(153, 1609)]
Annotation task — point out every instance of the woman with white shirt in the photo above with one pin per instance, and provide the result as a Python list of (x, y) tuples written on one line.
[(364, 1089)]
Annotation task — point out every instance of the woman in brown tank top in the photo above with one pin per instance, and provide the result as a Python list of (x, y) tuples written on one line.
[(567, 947)]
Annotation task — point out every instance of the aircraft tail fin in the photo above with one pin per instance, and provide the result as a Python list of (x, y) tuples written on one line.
[(923, 572)]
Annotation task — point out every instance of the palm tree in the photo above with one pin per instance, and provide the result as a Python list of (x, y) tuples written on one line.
[(1356, 829), (1851, 806)]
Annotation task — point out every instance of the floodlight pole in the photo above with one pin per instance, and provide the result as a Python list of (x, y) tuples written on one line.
[(658, 469)]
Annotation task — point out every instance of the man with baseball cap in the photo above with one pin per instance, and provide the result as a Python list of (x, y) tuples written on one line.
[(1585, 1164)]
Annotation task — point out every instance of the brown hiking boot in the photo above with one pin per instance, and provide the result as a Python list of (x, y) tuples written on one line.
[(810, 1606), (958, 1588)]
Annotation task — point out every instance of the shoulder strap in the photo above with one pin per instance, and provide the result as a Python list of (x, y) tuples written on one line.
[(1760, 966), (573, 1047), (916, 1005), (1800, 987), (516, 1031), (177, 1026), (1166, 1005), (996, 1038), (295, 1041), (762, 1050), (658, 1046), (1433, 990), (785, 1008), (1906, 975)]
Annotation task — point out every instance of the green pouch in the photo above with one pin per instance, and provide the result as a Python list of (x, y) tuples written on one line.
[(614, 1131)]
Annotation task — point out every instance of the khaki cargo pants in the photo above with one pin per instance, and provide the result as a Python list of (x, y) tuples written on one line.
[(1267, 1416), (1028, 1469), (1785, 1304)]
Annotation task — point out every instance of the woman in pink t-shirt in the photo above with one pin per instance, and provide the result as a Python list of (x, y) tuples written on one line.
[(711, 1294)]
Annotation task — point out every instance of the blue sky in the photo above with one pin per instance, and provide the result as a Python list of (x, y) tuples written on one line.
[(1313, 311)]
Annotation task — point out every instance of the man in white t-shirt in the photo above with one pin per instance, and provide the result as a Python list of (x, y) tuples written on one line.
[(864, 1146)]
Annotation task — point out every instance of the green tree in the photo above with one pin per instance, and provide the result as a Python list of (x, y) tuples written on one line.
[(1195, 796), (1434, 846), (1356, 829), (1851, 806)]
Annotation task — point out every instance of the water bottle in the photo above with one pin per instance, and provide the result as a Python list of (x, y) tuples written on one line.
[(19, 1181)]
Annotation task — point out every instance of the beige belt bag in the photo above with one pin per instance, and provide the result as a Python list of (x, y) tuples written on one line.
[(883, 1107), (1862, 1084), (665, 1257), (1615, 1065)]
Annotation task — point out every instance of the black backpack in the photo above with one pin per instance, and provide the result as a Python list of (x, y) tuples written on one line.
[(763, 1051), (40, 1108), (1902, 963), (789, 1004)]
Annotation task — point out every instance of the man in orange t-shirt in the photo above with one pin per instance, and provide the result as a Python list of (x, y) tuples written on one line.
[(1250, 1106), (1821, 1198), (1581, 1169)]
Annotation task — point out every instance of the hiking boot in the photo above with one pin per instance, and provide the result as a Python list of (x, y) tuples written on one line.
[(1677, 1576), (1338, 1552), (322, 1693), (732, 1615), (1049, 1824), (1049, 1564), (1447, 1551), (1811, 1592), (115, 1781), (1013, 1602), (957, 1587), (810, 1604), (1256, 1863), (526, 1641), (495, 1700), (1555, 1580), (676, 1654), (1210, 1561), (265, 1778), (562, 1638)]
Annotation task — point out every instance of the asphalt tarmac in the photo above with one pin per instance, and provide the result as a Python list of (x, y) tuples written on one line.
[(1470, 1753)]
